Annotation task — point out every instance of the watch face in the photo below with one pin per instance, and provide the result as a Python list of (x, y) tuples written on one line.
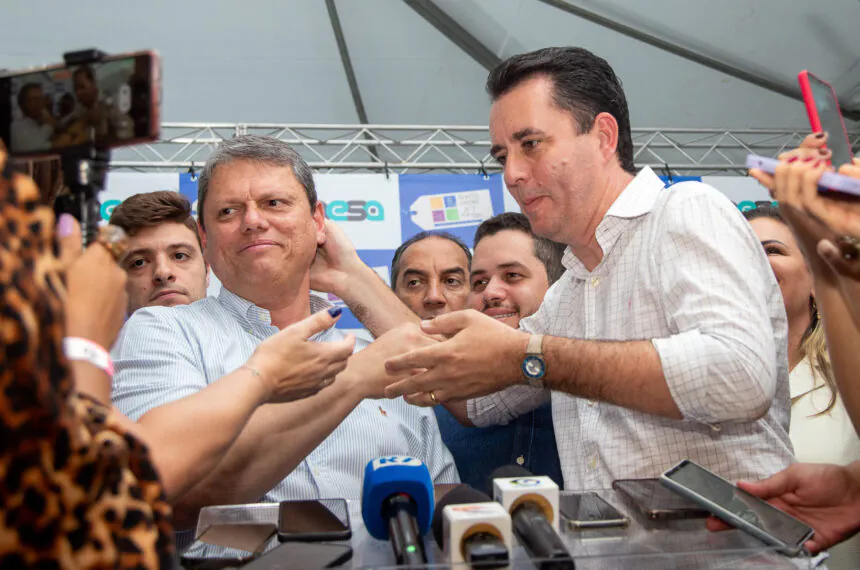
[(533, 366)]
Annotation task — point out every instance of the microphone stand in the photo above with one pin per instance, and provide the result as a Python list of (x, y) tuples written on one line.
[(84, 171)]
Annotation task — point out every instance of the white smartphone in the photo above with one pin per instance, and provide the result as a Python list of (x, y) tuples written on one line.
[(829, 181), (737, 507)]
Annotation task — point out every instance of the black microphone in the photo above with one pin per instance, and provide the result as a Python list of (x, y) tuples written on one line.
[(473, 530), (401, 512), (531, 514)]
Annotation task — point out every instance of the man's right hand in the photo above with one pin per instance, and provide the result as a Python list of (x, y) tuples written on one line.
[(335, 261), (292, 367), (366, 369), (826, 497)]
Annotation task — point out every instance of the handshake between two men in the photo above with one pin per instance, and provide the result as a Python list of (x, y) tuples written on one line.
[(425, 361)]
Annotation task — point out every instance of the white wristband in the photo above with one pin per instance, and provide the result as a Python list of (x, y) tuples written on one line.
[(77, 348)]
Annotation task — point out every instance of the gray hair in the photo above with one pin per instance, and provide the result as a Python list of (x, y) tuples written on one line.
[(259, 148)]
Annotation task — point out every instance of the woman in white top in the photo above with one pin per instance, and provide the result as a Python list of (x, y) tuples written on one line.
[(820, 431)]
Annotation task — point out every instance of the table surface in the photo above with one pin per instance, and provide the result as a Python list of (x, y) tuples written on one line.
[(643, 543)]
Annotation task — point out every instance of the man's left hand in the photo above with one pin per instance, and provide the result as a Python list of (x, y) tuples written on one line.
[(480, 357)]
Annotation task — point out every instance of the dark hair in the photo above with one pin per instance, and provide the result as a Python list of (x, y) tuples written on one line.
[(583, 84), (547, 251), (421, 236), (150, 209), (770, 212), (87, 71), (813, 344), (22, 94)]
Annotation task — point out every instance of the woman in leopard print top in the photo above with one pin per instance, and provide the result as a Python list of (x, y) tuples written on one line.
[(76, 489)]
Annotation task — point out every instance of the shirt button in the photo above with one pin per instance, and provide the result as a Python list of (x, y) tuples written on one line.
[(592, 463), (592, 403), (595, 282), (316, 472), (521, 460)]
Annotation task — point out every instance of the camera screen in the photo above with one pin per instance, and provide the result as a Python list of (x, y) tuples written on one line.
[(105, 103)]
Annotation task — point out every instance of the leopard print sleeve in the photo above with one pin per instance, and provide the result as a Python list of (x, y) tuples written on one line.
[(77, 490)]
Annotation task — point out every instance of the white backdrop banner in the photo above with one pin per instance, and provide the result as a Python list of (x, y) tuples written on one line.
[(380, 212)]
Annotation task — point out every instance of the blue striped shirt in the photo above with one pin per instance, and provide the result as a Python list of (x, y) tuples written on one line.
[(164, 354)]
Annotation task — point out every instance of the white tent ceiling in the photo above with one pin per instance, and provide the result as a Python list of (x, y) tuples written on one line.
[(278, 61)]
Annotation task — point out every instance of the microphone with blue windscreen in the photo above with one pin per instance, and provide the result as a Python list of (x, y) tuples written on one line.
[(397, 505)]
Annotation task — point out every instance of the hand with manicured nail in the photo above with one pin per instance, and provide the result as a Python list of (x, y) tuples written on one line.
[(293, 367), (96, 301), (814, 216)]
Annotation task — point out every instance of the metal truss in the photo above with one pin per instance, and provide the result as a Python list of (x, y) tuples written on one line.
[(404, 149)]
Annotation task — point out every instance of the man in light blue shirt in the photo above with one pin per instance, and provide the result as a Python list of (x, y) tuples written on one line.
[(261, 225)]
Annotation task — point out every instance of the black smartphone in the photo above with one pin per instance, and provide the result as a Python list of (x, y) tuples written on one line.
[(229, 545), (302, 556), (737, 507), (589, 510), (110, 102), (314, 520), (656, 501)]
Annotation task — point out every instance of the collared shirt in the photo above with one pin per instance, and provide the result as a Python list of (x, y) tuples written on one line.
[(683, 269), (164, 354), (528, 441)]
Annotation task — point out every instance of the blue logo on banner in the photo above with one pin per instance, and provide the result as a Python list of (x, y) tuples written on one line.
[(750, 205), (455, 203), (354, 210), (108, 207)]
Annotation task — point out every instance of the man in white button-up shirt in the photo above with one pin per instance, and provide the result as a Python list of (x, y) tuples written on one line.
[(666, 337)]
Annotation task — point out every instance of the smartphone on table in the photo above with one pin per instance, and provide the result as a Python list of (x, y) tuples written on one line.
[(738, 508), (229, 545), (314, 520), (302, 556), (110, 102), (656, 501), (589, 510)]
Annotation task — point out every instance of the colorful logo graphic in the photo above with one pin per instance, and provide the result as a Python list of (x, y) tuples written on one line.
[(454, 203), (444, 211)]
